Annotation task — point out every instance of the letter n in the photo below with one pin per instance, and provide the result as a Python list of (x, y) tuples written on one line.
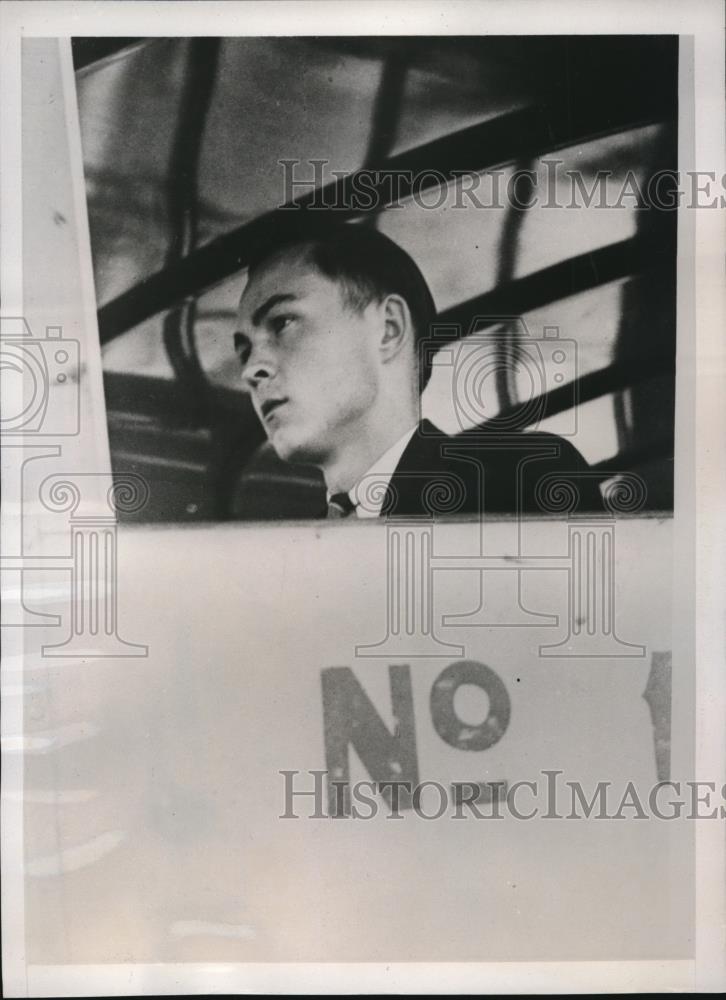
[(351, 719)]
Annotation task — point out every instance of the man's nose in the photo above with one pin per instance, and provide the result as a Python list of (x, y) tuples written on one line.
[(259, 368)]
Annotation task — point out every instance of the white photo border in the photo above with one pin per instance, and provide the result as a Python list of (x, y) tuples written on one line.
[(700, 457)]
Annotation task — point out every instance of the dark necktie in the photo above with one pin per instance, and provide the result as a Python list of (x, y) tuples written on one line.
[(340, 505)]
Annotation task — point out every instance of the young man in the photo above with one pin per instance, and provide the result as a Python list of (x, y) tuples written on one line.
[(331, 336)]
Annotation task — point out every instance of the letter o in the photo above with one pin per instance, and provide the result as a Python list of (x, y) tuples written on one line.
[(446, 722)]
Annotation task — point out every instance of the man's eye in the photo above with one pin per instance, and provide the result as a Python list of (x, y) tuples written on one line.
[(279, 323), (242, 348)]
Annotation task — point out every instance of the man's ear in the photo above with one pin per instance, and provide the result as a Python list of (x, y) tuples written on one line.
[(397, 327)]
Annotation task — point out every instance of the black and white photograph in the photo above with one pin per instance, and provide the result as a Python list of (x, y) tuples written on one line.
[(324, 266), (363, 464)]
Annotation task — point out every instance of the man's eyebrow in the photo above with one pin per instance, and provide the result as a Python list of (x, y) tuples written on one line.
[(261, 311)]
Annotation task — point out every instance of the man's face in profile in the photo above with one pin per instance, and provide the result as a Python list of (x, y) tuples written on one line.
[(309, 360)]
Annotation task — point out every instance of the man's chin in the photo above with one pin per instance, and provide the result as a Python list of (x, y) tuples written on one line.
[(295, 451)]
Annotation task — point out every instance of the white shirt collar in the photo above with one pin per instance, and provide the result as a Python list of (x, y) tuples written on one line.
[(369, 493)]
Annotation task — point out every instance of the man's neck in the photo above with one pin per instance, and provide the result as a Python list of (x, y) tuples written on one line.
[(357, 455)]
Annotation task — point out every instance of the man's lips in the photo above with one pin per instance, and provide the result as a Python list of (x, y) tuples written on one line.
[(270, 406)]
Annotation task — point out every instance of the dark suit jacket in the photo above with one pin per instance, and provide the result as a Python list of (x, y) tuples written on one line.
[(465, 474), (484, 471)]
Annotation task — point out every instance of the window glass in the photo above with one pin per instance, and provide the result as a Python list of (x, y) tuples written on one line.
[(126, 159), (585, 180), (282, 99), (140, 350)]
